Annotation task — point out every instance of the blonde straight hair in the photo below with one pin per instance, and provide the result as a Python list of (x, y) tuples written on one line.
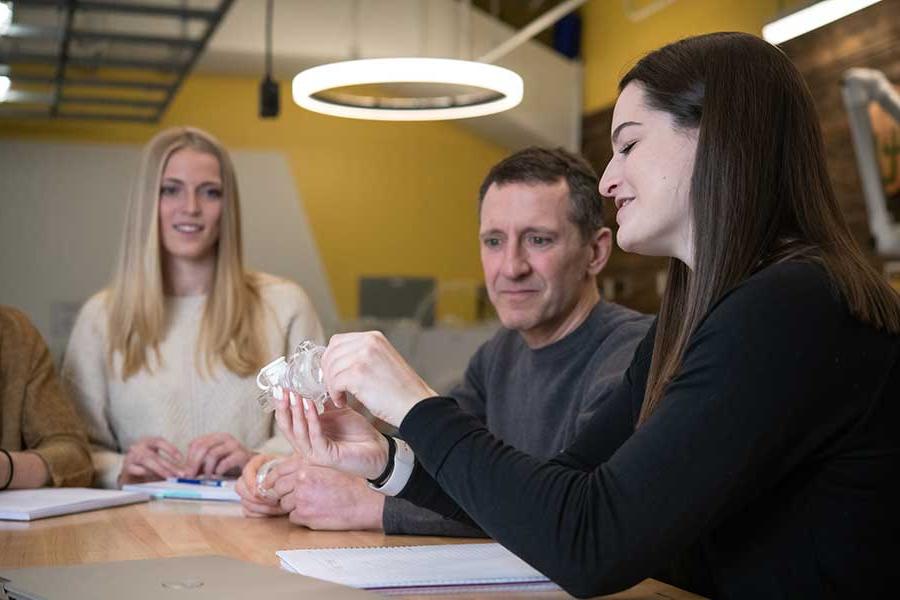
[(232, 327)]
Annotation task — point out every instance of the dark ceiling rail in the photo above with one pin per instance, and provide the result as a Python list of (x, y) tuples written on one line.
[(23, 97), (183, 52), (107, 101), (25, 113), (65, 114), (11, 57), (224, 5), (36, 32), (115, 83), (150, 86), (157, 10), (128, 63), (140, 40), (60, 75), (16, 56), (18, 31)]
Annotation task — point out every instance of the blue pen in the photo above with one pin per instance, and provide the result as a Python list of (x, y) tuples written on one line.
[(209, 482)]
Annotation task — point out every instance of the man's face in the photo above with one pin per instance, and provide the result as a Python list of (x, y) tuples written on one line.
[(536, 264)]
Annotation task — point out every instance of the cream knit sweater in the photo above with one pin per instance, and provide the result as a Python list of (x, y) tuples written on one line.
[(173, 399)]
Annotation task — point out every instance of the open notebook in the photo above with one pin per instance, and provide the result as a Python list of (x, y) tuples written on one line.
[(26, 505), (386, 568)]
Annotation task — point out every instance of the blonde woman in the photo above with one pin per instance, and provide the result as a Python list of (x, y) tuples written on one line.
[(161, 364)]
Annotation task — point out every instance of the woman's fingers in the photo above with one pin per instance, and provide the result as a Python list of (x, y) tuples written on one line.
[(155, 465), (284, 485), (163, 445), (215, 454), (136, 470), (247, 479), (232, 462), (286, 467), (341, 355), (259, 509), (298, 423), (318, 443), (368, 367), (284, 421), (197, 451)]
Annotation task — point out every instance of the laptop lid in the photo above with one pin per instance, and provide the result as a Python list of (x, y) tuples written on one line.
[(182, 578)]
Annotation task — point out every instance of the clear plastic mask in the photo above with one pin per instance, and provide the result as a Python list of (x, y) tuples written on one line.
[(299, 372)]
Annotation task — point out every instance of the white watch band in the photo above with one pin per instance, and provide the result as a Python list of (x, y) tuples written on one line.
[(404, 461)]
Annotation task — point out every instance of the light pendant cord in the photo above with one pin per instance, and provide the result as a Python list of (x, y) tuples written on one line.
[(269, 101), (269, 11)]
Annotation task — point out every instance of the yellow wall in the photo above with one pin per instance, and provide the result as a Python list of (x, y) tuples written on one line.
[(382, 198), (612, 43)]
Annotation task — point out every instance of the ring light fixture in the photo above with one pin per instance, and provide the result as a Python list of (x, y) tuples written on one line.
[(500, 89)]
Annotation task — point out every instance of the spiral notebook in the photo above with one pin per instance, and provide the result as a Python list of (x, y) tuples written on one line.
[(440, 566), (27, 505)]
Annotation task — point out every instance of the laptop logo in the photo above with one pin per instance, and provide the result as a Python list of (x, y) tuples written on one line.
[(184, 584)]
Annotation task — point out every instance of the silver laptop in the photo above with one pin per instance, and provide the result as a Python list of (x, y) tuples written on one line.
[(182, 578)]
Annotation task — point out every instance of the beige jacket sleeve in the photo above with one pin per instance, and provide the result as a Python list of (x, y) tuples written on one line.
[(37, 415)]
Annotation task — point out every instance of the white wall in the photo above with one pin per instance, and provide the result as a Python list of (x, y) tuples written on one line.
[(62, 210)]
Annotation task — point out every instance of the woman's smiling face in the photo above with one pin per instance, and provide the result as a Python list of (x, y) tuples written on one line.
[(190, 205), (649, 178)]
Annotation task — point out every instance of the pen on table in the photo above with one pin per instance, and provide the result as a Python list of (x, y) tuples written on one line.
[(194, 481)]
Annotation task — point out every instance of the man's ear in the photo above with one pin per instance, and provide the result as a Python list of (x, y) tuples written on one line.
[(600, 246)]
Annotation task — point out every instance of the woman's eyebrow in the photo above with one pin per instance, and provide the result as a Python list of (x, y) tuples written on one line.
[(620, 127)]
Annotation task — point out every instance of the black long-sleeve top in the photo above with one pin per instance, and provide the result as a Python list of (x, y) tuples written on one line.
[(535, 399), (770, 470)]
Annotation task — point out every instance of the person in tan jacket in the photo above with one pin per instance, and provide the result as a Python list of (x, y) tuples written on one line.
[(42, 441)]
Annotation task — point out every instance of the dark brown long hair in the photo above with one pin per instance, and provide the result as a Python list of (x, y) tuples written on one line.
[(760, 191)]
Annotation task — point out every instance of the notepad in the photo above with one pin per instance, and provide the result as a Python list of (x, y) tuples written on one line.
[(27, 505), (385, 568), (185, 491)]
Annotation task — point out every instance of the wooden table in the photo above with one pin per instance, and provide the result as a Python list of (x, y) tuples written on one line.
[(166, 528)]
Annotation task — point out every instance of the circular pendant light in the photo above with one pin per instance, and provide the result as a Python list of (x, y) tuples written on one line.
[(498, 89)]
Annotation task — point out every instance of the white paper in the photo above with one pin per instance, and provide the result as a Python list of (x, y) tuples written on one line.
[(412, 566), (186, 491), (25, 505)]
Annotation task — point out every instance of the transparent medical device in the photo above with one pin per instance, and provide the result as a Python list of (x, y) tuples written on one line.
[(299, 372)]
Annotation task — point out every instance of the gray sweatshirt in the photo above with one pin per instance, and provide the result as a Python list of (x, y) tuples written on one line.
[(536, 400)]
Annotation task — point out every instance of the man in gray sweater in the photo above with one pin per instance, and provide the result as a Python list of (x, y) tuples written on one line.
[(542, 245)]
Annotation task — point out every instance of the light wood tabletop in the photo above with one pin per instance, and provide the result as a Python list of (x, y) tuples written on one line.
[(167, 528)]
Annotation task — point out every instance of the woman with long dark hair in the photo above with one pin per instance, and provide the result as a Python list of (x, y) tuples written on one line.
[(751, 451)]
